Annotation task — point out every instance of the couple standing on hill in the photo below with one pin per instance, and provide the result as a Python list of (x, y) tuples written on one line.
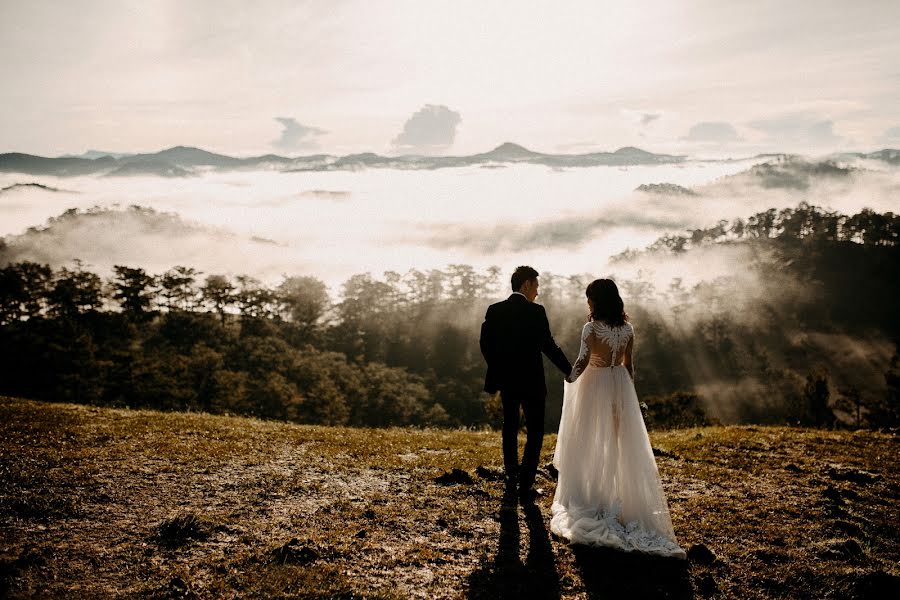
[(608, 492)]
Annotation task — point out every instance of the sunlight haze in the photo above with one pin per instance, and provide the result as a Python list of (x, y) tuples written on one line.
[(700, 77)]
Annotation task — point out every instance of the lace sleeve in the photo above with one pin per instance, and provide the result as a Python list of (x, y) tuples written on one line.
[(629, 352), (584, 355)]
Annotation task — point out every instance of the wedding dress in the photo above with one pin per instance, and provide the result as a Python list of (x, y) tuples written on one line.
[(608, 492)]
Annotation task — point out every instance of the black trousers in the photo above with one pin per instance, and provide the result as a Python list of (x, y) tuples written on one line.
[(533, 407)]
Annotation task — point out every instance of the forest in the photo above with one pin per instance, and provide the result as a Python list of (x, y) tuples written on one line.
[(804, 331)]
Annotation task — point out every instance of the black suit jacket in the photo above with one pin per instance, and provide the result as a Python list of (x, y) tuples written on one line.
[(514, 334)]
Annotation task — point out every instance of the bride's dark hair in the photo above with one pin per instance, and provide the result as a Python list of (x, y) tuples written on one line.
[(608, 305)]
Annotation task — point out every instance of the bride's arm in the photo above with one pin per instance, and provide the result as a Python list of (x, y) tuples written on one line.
[(628, 361), (584, 355)]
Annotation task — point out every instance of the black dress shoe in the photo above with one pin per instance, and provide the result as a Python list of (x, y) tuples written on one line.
[(530, 495)]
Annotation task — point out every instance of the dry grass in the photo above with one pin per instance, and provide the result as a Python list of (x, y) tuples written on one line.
[(99, 502)]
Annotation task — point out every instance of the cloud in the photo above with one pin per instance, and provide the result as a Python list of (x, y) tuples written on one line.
[(296, 136), (712, 131), (431, 129), (333, 235), (578, 147), (891, 136), (150, 239), (798, 128), (336, 195), (565, 233), (649, 216), (642, 118)]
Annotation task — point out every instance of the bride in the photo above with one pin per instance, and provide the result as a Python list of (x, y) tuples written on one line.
[(608, 492)]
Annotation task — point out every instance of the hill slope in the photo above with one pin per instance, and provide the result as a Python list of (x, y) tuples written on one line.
[(124, 502)]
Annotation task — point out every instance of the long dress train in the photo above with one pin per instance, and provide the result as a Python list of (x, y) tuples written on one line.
[(608, 492)]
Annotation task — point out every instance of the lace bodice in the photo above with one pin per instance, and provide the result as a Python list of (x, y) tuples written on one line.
[(603, 346)]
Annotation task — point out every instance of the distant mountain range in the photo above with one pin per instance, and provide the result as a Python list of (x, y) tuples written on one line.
[(184, 161)]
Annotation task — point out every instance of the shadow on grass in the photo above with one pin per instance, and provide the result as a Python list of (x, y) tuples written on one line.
[(507, 576), (609, 573)]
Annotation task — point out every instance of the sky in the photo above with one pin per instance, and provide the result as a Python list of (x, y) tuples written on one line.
[(698, 77)]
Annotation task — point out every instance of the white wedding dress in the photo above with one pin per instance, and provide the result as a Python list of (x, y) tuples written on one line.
[(608, 492)]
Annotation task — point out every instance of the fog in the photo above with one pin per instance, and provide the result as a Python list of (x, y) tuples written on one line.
[(335, 224)]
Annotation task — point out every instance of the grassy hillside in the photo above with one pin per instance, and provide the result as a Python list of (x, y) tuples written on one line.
[(107, 502)]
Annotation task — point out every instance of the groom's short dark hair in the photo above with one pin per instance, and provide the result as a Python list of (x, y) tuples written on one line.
[(522, 274)]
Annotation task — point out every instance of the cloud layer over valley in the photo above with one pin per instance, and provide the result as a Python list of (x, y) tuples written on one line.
[(335, 224)]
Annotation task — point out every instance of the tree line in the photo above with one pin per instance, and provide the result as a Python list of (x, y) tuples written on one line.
[(178, 340), (402, 349), (805, 222)]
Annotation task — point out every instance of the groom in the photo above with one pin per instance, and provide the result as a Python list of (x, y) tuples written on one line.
[(514, 334)]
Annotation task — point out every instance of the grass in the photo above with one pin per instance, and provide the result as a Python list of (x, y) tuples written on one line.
[(99, 502)]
